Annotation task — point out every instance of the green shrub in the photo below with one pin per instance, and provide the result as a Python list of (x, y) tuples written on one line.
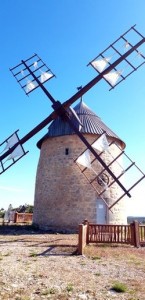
[(96, 257), (29, 209), (69, 287), (32, 254), (119, 287), (2, 213)]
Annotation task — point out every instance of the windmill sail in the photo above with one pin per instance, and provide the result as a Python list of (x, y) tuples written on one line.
[(11, 141), (45, 76), (85, 159), (17, 152), (30, 86), (100, 64), (101, 143), (113, 77)]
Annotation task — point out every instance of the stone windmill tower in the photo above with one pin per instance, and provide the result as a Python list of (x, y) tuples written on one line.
[(63, 196)]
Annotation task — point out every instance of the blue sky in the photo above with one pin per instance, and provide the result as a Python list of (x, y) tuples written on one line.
[(67, 34)]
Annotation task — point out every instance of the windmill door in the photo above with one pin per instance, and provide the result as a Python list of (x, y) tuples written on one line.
[(101, 216)]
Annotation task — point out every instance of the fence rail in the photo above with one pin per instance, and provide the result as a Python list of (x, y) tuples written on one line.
[(133, 234), (23, 217), (142, 234), (109, 233)]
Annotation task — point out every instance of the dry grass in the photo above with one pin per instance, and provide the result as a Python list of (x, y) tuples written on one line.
[(44, 266)]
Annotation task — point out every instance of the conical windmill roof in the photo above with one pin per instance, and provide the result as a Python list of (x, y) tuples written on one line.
[(91, 124)]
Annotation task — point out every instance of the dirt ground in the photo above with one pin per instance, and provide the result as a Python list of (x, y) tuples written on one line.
[(39, 265)]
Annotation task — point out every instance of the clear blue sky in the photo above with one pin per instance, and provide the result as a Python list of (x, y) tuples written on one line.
[(67, 34)]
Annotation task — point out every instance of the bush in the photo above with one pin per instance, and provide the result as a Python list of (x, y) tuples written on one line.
[(119, 287), (29, 209), (2, 213), (25, 208)]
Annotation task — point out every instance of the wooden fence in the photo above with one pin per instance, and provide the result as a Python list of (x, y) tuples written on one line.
[(15, 217), (133, 234), (23, 217), (142, 234)]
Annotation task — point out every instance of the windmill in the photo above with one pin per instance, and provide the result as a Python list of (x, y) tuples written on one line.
[(113, 65)]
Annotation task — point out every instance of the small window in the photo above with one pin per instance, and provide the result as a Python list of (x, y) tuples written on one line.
[(66, 151)]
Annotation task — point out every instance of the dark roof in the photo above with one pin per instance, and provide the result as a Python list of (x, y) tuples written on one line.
[(90, 121)]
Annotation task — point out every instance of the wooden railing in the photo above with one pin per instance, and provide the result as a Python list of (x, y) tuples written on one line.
[(133, 234), (23, 217), (142, 234), (109, 233)]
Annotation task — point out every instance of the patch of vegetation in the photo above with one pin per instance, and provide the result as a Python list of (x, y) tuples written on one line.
[(119, 287), (26, 208), (50, 291), (7, 254), (82, 263), (22, 298), (134, 260), (97, 274), (45, 293), (2, 213), (69, 287), (1, 257), (96, 257), (33, 254)]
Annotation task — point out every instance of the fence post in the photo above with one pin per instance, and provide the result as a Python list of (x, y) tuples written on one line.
[(87, 230), (16, 217), (82, 238), (135, 239), (80, 242), (136, 232)]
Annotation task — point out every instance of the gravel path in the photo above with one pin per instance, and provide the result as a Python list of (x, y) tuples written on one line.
[(45, 266)]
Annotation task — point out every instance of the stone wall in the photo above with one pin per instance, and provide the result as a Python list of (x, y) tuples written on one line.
[(63, 196)]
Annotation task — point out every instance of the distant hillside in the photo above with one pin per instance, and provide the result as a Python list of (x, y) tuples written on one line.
[(130, 219)]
